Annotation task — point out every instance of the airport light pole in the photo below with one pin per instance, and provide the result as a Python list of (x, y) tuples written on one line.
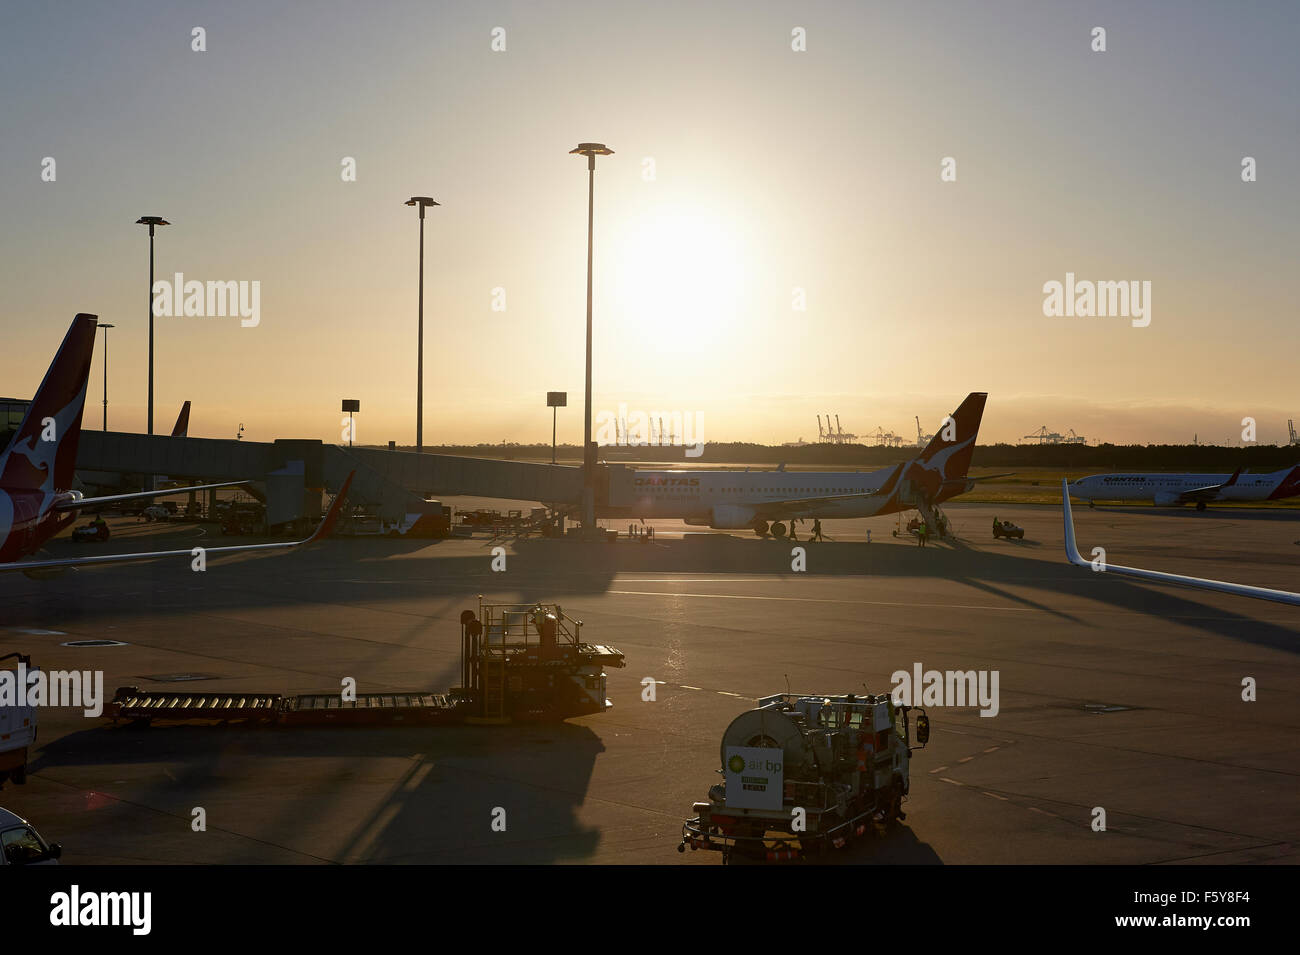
[(151, 222), (555, 400), (423, 202), (105, 327), (591, 151)]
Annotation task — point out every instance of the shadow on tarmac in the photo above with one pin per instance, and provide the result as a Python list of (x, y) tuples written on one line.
[(379, 572), (439, 809), (899, 846)]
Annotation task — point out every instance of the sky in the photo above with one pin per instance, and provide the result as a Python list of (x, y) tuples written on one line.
[(774, 238)]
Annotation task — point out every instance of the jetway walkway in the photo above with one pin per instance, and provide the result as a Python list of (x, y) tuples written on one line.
[(392, 484)]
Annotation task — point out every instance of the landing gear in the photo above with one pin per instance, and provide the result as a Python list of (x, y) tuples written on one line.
[(778, 530), (760, 528)]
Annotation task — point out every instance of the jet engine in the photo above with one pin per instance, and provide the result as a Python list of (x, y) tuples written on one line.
[(731, 517)]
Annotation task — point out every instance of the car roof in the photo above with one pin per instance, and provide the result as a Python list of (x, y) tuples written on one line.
[(8, 819)]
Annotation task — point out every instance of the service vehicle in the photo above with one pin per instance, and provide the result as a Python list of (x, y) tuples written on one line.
[(519, 662), (94, 531), (1008, 530), (21, 844), (155, 512), (806, 774), (17, 726)]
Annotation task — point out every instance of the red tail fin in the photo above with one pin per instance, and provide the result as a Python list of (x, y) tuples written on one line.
[(1289, 486), (956, 435), (43, 452), (182, 428)]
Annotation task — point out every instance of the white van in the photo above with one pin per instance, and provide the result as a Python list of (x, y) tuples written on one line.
[(20, 844), (17, 729)]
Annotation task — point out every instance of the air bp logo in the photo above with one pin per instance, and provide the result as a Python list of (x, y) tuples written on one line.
[(736, 764)]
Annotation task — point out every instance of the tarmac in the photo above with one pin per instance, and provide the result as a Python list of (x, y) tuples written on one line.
[(1114, 694)]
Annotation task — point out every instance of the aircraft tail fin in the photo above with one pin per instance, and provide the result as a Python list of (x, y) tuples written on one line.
[(954, 442), (42, 454), (182, 426), (1289, 486)]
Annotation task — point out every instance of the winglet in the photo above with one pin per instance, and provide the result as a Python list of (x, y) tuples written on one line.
[(1232, 480), (326, 526), (1199, 583), (1071, 548)]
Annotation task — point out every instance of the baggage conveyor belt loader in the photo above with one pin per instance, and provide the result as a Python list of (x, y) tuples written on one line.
[(518, 662), (805, 774)]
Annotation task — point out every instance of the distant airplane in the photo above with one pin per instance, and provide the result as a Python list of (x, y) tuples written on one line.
[(1198, 489), (761, 500), (36, 470), (1199, 583)]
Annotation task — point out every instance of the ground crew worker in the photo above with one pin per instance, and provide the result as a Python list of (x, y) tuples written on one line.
[(920, 533), (817, 530), (792, 535), (996, 526)]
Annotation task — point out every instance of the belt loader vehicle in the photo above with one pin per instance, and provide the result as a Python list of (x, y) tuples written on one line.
[(520, 662), (804, 774)]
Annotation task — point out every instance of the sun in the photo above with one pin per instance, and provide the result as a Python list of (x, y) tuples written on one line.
[(679, 280)]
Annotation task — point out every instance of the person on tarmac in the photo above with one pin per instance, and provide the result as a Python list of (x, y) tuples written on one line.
[(996, 525), (921, 532), (817, 530), (792, 536)]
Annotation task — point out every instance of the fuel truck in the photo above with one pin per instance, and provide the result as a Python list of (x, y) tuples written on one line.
[(806, 774)]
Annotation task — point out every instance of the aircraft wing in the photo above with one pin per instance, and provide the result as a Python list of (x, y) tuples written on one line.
[(1209, 492), (114, 498), (986, 477), (323, 530), (1200, 583), (768, 508)]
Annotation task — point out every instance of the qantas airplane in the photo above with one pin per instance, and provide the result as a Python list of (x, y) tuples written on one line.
[(761, 500), (1198, 489), (36, 471)]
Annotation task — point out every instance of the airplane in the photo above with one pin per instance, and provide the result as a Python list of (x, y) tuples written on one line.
[(1199, 489), (1200, 583), (36, 471), (762, 500)]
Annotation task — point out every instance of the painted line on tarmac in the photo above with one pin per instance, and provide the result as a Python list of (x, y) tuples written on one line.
[(825, 600)]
